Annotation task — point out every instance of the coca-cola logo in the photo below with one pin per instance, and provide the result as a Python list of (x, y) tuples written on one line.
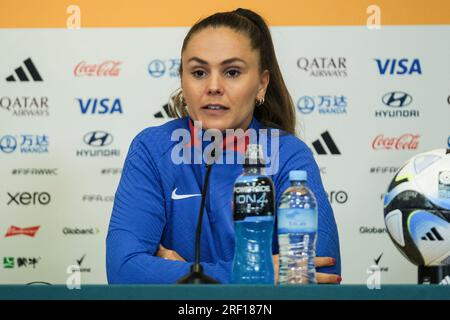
[(109, 68), (407, 141)]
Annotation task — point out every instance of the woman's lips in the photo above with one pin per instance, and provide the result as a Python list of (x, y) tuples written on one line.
[(214, 109)]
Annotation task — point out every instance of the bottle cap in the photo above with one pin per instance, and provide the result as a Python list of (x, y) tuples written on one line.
[(297, 175), (254, 155)]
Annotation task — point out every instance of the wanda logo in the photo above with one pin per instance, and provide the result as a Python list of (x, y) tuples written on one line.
[(407, 141), (109, 68)]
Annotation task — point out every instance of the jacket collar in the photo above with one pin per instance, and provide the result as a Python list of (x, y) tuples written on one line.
[(237, 143)]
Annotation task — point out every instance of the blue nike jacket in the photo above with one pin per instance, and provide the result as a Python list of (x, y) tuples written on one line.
[(157, 202)]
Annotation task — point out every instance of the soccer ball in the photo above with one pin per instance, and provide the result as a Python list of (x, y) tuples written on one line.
[(417, 208)]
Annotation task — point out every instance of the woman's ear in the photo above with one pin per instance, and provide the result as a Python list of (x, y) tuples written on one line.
[(264, 83)]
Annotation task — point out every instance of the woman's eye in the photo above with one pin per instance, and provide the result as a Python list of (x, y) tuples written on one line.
[(233, 73), (198, 73)]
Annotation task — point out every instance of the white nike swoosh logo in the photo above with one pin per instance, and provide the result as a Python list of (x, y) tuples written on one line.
[(176, 196)]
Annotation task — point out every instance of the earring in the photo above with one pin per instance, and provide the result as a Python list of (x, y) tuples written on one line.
[(260, 102)]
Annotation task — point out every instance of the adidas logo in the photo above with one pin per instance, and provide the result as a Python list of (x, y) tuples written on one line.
[(432, 235), (167, 112), (25, 76), (329, 143)]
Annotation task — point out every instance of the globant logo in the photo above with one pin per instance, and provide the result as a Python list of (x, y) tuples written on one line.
[(100, 106), (25, 143), (159, 68), (109, 68), (321, 67), (407, 141), (80, 231), (396, 101), (97, 140), (325, 104), (402, 66), (372, 230), (25, 106)]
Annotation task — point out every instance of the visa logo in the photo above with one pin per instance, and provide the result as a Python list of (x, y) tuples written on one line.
[(100, 106), (399, 66)]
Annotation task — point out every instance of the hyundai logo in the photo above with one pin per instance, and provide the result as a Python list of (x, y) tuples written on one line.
[(8, 144), (397, 99), (306, 104), (98, 138), (157, 68)]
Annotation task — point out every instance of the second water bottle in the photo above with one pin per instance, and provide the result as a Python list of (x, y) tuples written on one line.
[(297, 232)]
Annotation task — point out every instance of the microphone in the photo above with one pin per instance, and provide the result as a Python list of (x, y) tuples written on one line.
[(196, 276)]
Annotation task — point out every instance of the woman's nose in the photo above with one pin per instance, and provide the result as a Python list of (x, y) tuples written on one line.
[(215, 91), (214, 86)]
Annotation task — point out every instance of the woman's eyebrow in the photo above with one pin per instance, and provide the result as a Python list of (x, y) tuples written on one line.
[(231, 60), (227, 61), (196, 59)]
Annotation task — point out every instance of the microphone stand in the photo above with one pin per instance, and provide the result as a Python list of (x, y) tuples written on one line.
[(196, 276)]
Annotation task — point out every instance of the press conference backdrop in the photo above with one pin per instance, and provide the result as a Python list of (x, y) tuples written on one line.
[(71, 101)]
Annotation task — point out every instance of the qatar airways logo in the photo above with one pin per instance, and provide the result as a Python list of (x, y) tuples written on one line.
[(407, 141), (321, 67), (109, 68)]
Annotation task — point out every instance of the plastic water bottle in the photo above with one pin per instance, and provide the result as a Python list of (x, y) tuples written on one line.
[(297, 232), (253, 213)]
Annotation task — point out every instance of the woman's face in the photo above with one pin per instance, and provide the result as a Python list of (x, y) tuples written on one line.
[(221, 79)]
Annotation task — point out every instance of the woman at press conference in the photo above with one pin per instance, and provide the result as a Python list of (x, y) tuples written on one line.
[(230, 79)]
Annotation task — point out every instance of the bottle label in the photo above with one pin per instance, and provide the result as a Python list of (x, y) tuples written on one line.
[(296, 220), (253, 199)]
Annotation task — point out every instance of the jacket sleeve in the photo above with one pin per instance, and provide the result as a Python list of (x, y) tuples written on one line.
[(295, 155), (136, 226)]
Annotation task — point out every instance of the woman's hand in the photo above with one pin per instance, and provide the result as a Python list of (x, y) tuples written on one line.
[(320, 262), (168, 254), (326, 277), (276, 266)]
